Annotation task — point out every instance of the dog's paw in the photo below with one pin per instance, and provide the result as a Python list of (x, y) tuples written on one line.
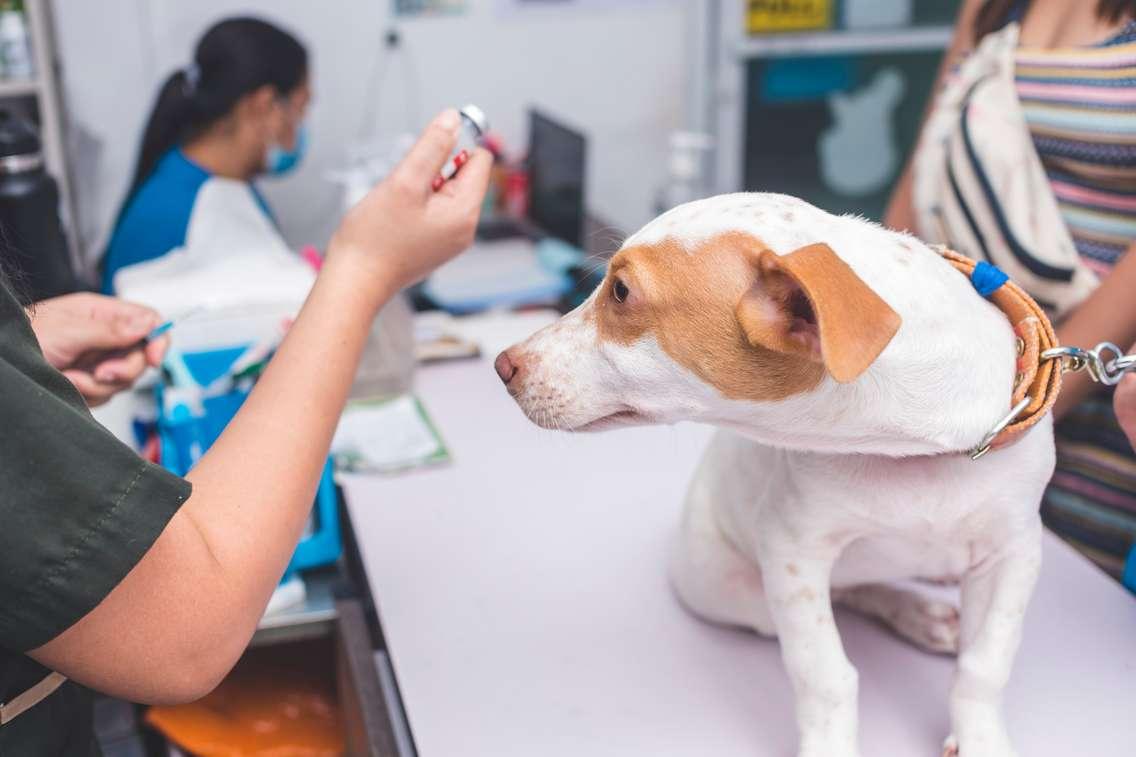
[(817, 750), (836, 739), (987, 748), (928, 623)]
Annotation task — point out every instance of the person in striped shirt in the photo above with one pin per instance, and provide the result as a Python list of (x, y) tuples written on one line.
[(1076, 80)]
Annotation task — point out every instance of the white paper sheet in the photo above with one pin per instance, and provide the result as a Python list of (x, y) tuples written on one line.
[(385, 436)]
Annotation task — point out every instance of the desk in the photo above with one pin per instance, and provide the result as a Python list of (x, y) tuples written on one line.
[(524, 602)]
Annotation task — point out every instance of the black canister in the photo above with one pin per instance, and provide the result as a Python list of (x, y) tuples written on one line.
[(32, 243)]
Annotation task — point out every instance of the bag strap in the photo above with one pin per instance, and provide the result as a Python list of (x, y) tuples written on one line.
[(21, 703)]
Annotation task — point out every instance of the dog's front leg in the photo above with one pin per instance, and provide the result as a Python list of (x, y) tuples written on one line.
[(797, 587), (994, 598)]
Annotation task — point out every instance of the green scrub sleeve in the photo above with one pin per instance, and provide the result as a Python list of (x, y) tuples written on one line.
[(78, 509)]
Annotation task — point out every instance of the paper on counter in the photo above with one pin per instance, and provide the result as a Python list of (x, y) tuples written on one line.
[(386, 436), (492, 331)]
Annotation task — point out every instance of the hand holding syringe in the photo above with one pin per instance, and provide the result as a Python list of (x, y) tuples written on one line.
[(474, 126)]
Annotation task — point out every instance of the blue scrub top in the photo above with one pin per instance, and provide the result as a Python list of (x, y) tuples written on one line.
[(157, 217)]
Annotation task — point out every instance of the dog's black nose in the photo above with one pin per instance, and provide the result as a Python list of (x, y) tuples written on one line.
[(505, 367)]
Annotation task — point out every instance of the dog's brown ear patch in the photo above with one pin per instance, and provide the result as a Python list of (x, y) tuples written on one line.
[(810, 303)]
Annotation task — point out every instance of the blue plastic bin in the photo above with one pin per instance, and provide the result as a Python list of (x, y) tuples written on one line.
[(185, 434)]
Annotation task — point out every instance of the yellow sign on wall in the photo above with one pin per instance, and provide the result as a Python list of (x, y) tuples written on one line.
[(787, 15)]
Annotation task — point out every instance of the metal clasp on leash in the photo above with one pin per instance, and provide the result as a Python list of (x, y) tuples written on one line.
[(1096, 361), (1106, 364)]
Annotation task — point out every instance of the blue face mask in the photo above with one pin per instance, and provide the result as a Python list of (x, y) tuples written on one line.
[(279, 161)]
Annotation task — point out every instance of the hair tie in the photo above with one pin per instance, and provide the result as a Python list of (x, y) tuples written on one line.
[(192, 74)]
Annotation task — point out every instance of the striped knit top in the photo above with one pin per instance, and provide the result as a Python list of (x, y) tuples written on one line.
[(1080, 105)]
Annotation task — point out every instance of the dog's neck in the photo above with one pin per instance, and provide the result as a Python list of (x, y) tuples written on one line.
[(860, 420), (915, 400)]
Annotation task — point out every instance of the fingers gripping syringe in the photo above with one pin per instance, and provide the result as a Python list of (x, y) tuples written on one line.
[(474, 126)]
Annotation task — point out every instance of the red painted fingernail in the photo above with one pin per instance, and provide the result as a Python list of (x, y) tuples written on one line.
[(437, 183), (461, 159)]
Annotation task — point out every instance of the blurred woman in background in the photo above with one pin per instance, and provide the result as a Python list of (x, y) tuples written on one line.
[(234, 113), (1075, 77)]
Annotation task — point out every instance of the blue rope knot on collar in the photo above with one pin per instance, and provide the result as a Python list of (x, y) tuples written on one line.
[(987, 278)]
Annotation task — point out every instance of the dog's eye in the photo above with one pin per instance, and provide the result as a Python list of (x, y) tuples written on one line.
[(619, 290)]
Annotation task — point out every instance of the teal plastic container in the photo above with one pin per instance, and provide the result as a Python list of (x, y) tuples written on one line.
[(185, 433)]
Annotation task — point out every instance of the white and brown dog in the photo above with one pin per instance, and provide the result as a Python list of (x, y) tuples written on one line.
[(849, 367)]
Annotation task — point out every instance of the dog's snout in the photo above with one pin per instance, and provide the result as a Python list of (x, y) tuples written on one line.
[(505, 367)]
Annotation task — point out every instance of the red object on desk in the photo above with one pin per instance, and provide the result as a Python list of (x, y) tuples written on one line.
[(312, 257), (152, 449), (517, 193)]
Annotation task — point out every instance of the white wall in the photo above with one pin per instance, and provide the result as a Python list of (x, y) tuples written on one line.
[(617, 69)]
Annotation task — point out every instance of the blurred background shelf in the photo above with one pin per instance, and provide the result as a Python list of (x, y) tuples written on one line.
[(821, 100), (18, 87), (845, 42), (40, 100)]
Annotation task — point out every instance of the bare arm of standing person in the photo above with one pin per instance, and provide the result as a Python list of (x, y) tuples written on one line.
[(1107, 315), (181, 618), (1124, 403)]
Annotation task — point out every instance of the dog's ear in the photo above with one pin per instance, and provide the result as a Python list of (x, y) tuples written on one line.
[(810, 303)]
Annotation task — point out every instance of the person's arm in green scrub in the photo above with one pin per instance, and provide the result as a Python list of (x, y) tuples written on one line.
[(181, 618)]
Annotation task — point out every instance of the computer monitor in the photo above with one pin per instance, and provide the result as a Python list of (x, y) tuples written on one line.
[(557, 158)]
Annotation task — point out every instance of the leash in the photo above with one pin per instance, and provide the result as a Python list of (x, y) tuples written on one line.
[(1041, 361), (1101, 368)]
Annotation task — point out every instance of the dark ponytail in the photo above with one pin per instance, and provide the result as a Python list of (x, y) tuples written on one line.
[(164, 127), (234, 58)]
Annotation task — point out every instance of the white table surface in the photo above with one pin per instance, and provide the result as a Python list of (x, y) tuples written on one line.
[(523, 595)]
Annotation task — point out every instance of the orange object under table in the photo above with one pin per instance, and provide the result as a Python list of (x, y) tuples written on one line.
[(279, 701)]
